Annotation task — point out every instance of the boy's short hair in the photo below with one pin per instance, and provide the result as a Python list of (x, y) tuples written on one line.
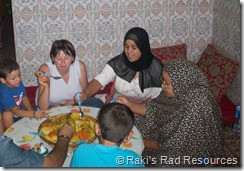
[(7, 66), (115, 121), (62, 45)]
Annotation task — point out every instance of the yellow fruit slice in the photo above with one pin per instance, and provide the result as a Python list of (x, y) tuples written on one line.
[(75, 116)]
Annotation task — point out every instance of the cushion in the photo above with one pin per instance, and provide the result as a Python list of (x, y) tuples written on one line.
[(31, 94), (110, 94), (219, 69), (101, 94), (165, 54), (105, 90), (228, 110)]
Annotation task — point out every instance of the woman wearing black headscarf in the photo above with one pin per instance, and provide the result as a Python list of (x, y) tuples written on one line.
[(135, 72)]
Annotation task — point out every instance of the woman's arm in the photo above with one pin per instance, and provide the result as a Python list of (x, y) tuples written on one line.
[(138, 108), (43, 88), (83, 77), (93, 87), (106, 76)]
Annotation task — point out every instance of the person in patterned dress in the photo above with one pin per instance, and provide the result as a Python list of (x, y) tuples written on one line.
[(182, 126)]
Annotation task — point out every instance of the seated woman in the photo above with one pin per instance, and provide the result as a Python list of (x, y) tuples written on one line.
[(55, 92), (135, 71), (183, 122)]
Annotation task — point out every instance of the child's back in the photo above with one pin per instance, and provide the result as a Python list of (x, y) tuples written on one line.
[(114, 126), (99, 155)]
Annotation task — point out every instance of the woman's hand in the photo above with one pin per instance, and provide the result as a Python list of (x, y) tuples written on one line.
[(69, 103), (137, 108), (56, 105), (83, 97), (42, 79), (123, 100)]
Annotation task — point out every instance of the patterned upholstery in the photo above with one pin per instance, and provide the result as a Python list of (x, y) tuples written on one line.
[(228, 110), (219, 69), (165, 54)]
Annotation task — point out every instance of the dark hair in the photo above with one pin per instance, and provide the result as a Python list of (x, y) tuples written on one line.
[(141, 39), (115, 121), (62, 45), (7, 66)]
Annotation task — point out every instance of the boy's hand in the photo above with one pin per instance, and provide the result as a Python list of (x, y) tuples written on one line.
[(40, 115)]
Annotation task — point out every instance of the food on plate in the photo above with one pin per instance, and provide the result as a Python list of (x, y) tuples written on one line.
[(84, 128), (74, 116)]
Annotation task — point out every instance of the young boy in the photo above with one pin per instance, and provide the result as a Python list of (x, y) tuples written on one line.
[(114, 125), (15, 104)]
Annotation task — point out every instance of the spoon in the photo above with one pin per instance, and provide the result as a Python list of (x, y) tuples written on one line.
[(115, 97), (48, 75), (36, 133), (79, 103)]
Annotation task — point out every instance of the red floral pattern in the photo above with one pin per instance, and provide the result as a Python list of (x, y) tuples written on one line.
[(219, 69), (26, 146), (165, 54)]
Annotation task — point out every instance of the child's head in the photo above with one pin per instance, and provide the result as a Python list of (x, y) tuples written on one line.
[(115, 121), (10, 73)]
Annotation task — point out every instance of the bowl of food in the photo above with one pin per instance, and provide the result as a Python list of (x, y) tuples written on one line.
[(84, 128)]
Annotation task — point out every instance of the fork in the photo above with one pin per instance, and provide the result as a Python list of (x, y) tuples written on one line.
[(48, 75)]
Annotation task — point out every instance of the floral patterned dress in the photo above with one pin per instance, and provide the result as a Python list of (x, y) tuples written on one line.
[(187, 129)]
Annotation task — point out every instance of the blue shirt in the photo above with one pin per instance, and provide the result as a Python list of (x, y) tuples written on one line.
[(1, 108), (98, 155), (11, 97)]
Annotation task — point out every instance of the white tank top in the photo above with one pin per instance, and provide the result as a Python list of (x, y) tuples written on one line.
[(60, 91)]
